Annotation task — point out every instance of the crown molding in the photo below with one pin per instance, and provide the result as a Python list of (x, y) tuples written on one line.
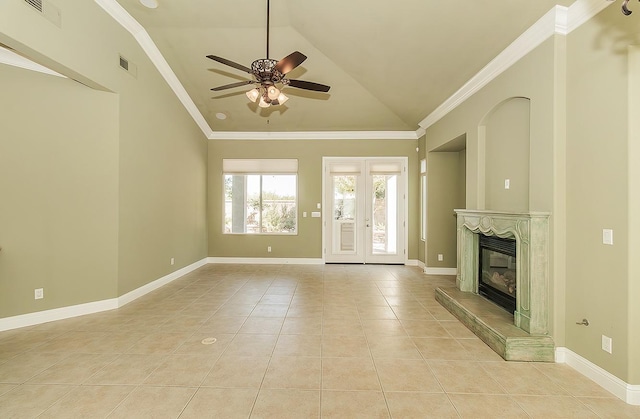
[(559, 20), (315, 135), (11, 58), (120, 15), (583, 10)]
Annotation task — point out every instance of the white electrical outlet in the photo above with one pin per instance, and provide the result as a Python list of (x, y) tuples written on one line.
[(269, 249), (38, 294), (607, 344), (607, 236), (440, 257), (173, 260), (507, 183)]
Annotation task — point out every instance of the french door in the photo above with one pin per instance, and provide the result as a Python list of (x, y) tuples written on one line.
[(364, 210)]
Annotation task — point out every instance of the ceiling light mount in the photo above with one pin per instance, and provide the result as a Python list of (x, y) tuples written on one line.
[(150, 4)]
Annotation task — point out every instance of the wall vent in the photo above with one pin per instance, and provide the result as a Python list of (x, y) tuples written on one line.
[(124, 63), (128, 66), (46, 9), (36, 4)]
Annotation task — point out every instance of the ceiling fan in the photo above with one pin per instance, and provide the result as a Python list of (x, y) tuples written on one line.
[(268, 74)]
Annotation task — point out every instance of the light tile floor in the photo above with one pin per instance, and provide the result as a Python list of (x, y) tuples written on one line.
[(332, 341)]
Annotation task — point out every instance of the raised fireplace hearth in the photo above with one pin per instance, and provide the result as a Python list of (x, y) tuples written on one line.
[(522, 332)]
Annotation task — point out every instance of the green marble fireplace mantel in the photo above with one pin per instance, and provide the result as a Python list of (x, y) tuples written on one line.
[(531, 232)]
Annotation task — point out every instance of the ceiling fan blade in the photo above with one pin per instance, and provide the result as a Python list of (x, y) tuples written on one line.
[(230, 63), (308, 85), (290, 62), (232, 85)]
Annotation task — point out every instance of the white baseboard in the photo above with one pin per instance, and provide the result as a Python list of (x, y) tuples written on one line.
[(440, 271), (626, 392), (415, 262), (45, 316), (267, 261), (152, 286)]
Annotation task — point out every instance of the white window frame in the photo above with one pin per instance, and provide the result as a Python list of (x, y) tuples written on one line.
[(259, 167)]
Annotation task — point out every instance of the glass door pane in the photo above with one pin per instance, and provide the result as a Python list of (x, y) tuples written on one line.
[(384, 214), (344, 214), (364, 210)]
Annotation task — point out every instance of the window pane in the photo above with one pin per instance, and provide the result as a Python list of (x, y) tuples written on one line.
[(384, 216), (257, 204), (234, 203), (252, 223), (344, 214), (279, 203), (344, 197)]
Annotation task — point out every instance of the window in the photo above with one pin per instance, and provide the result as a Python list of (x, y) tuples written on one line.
[(423, 199), (260, 196)]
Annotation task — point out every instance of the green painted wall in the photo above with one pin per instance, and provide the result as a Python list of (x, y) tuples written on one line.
[(59, 192), (599, 285), (444, 186), (160, 167), (308, 242), (507, 156), (462, 179)]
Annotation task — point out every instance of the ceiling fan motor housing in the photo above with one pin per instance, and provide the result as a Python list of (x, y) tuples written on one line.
[(265, 71)]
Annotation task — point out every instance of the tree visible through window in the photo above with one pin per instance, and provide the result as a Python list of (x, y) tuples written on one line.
[(260, 204)]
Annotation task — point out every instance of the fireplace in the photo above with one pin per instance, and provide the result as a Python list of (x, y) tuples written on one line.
[(497, 270), (510, 240), (531, 232)]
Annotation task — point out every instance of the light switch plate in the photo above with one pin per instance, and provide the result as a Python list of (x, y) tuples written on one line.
[(607, 236), (315, 214)]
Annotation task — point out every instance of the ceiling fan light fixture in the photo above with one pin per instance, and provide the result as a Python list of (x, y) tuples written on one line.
[(263, 103), (273, 92), (253, 94), (282, 98)]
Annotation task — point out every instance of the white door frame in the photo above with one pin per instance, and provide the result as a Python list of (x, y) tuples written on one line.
[(404, 194)]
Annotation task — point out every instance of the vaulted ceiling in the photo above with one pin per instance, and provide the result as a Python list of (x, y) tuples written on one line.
[(389, 64)]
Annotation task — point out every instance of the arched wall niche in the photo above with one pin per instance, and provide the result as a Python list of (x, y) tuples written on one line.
[(504, 156)]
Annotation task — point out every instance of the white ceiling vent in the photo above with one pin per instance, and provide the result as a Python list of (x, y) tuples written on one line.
[(128, 66), (47, 9)]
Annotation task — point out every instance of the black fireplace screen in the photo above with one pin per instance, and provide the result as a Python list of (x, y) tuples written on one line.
[(497, 271)]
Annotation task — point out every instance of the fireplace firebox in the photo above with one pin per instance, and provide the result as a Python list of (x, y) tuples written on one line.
[(497, 270)]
